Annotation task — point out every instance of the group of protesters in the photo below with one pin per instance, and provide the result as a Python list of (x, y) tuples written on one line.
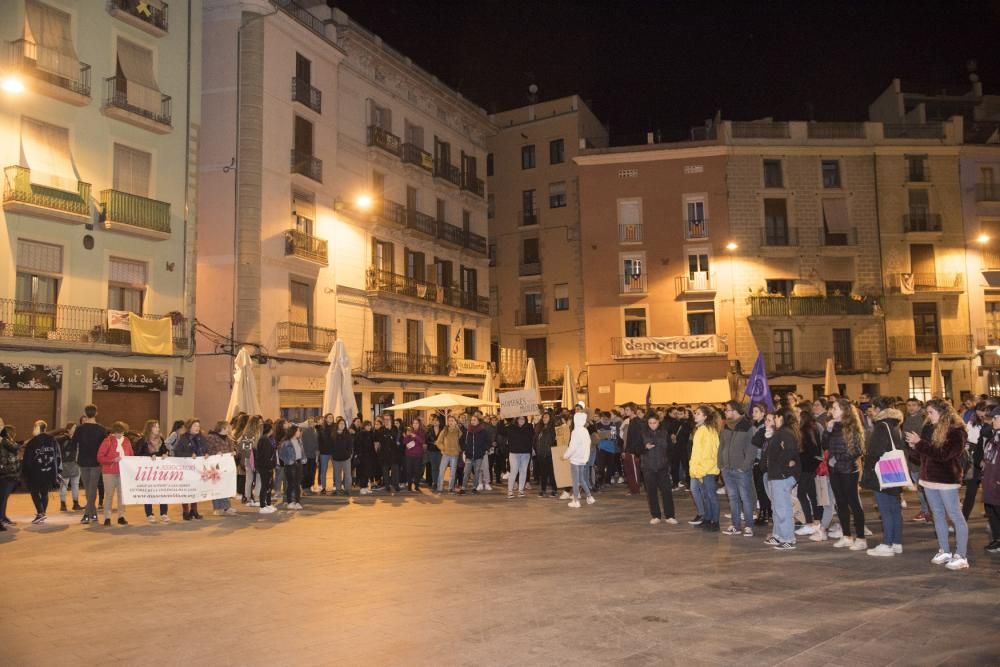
[(794, 471)]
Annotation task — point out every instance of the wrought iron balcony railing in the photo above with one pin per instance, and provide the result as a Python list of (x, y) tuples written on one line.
[(49, 65), (806, 306), (421, 222), (987, 191), (384, 139), (472, 184), (386, 282), (381, 361), (296, 336), (136, 211), (527, 318), (154, 14), (910, 283), (116, 95), (413, 154), (630, 232), (921, 222), (632, 284), (17, 187), (779, 237), (926, 344), (448, 172), (701, 281), (308, 165), (305, 93), (306, 246), (696, 228), (530, 268)]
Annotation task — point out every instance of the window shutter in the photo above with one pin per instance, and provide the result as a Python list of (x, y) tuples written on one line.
[(47, 30), (127, 272), (132, 169), (136, 64), (39, 257)]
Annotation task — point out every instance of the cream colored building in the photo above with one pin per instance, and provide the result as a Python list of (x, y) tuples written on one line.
[(537, 272), (100, 115), (374, 231)]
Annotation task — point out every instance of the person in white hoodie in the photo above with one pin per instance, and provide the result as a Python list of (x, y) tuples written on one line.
[(578, 455)]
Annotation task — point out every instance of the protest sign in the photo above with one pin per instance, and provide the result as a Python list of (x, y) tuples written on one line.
[(170, 480)]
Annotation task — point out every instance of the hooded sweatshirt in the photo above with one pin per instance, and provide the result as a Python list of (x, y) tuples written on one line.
[(736, 451), (578, 452), (41, 461)]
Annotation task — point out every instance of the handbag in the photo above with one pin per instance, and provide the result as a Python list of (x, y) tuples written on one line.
[(891, 468)]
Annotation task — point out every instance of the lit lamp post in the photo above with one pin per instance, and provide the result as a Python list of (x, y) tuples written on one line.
[(12, 84)]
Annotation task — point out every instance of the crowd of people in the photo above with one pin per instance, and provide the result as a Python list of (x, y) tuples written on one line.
[(790, 472)]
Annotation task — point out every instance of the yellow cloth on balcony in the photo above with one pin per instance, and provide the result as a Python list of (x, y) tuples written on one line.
[(151, 336)]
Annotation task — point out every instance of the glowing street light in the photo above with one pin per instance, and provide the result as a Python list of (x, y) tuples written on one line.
[(983, 239), (364, 202), (12, 84), (731, 246)]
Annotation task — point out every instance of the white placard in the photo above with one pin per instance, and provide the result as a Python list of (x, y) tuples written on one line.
[(171, 480), (519, 403)]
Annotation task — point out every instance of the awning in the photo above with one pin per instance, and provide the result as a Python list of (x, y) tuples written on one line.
[(837, 268), (686, 392), (45, 150), (136, 64), (835, 216), (786, 268), (47, 32)]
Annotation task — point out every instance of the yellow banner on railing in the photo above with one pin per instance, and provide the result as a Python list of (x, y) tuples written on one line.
[(151, 336)]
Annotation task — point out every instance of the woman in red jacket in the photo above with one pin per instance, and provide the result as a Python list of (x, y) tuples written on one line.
[(114, 447), (941, 476)]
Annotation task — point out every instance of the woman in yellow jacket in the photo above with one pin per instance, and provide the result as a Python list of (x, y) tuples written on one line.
[(705, 467)]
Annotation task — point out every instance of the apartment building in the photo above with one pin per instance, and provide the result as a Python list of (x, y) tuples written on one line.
[(348, 203), (100, 119), (657, 274), (536, 264)]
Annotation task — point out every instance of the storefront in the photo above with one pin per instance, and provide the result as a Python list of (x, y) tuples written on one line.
[(29, 392), (130, 395)]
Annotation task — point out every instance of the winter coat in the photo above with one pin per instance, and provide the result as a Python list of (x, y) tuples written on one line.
[(10, 462), (841, 459), (736, 451), (325, 434), (88, 438), (942, 465), (519, 438), (108, 452), (144, 448), (884, 433), (475, 442), (190, 445), (41, 461), (448, 441), (342, 446), (991, 471), (216, 443), (705, 453), (68, 452), (264, 455), (545, 439), (781, 455), (812, 448), (655, 458), (416, 449)]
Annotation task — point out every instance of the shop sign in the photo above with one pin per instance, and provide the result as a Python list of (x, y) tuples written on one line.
[(129, 379), (471, 367), (649, 346), (30, 376)]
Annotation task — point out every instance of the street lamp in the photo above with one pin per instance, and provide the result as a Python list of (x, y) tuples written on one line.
[(731, 246), (983, 239), (363, 202), (12, 84)]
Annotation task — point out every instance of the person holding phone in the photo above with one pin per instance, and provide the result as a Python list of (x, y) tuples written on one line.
[(941, 472)]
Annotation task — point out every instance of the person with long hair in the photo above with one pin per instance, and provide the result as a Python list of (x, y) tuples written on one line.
[(758, 418), (845, 441), (704, 467), (290, 453), (220, 441), (545, 440), (246, 444), (782, 466), (885, 437), (10, 471), (980, 431), (810, 455), (448, 441), (343, 452), (941, 476), (151, 444), (191, 444), (113, 449), (264, 463)]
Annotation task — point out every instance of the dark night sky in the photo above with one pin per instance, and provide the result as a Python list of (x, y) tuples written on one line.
[(669, 65)]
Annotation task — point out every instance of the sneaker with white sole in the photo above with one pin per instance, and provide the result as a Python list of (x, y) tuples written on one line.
[(217, 512), (772, 541), (805, 530), (785, 546), (883, 550), (748, 532), (230, 511), (897, 548), (868, 531), (843, 542), (510, 496), (958, 563), (835, 533), (164, 518), (267, 509), (654, 521), (860, 544), (575, 504), (591, 500), (818, 536), (479, 487), (151, 519), (565, 496), (672, 521), (941, 558), (902, 504), (489, 488), (253, 503), (732, 530)]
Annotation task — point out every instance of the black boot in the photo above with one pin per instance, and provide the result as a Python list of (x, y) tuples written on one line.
[(62, 506)]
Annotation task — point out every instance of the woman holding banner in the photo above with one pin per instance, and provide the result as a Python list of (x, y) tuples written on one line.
[(151, 444), (110, 453), (190, 444)]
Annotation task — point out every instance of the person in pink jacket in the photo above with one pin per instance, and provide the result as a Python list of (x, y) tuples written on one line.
[(111, 451)]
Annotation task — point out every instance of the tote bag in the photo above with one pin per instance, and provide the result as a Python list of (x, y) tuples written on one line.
[(891, 468)]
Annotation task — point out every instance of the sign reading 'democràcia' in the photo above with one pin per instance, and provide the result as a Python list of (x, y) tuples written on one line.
[(679, 345), (129, 379), (171, 480)]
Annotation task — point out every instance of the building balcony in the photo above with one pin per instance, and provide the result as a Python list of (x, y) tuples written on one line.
[(924, 283), (916, 223), (295, 336), (532, 268), (988, 336), (528, 218), (474, 185), (24, 320), (135, 215), (421, 222), (403, 363), (843, 243), (449, 233), (413, 154), (21, 195), (925, 345), (780, 238), (529, 318), (389, 211), (305, 93), (47, 72), (630, 232), (448, 172), (307, 165), (306, 246), (476, 243), (850, 361), (696, 229), (701, 283), (154, 116), (150, 16), (913, 130), (755, 130), (384, 139), (809, 306), (988, 192), (632, 284), (394, 284), (816, 130)]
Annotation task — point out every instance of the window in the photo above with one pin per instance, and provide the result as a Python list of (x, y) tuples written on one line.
[(843, 354), (695, 211), (831, 174), (491, 253), (776, 223), (532, 308), (701, 318), (469, 168), (469, 343), (630, 219), (489, 164), (415, 267), (557, 195), (443, 343), (48, 32), (491, 206), (443, 272), (413, 134), (466, 222), (537, 349), (131, 171), (381, 341), (300, 308), (382, 256), (303, 68), (697, 224), (528, 156), (469, 278), (562, 296), (635, 322), (632, 266), (838, 287), (557, 151), (697, 266), (780, 287), (772, 174), (529, 251), (135, 81), (46, 151), (126, 285), (303, 139), (442, 152), (783, 352), (837, 229), (919, 203), (303, 212), (414, 340), (380, 117), (441, 209), (411, 199), (39, 267), (378, 184), (916, 168), (920, 385), (925, 328)]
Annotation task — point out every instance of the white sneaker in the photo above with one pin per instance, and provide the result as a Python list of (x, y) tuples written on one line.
[(747, 531), (575, 504), (958, 563), (267, 509), (868, 532), (366, 491), (565, 495), (164, 518), (883, 550), (591, 500), (479, 488), (843, 542), (805, 530), (217, 512), (505, 476), (902, 503), (489, 488), (860, 544), (897, 548), (654, 521), (942, 558), (297, 506), (818, 536), (253, 503), (721, 491), (672, 521), (835, 532), (527, 485), (230, 510)]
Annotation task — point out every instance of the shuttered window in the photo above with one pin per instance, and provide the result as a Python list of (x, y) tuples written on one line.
[(132, 169), (135, 64), (39, 257)]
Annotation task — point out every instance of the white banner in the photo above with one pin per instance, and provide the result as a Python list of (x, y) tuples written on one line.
[(517, 403), (148, 481), (471, 366), (679, 345)]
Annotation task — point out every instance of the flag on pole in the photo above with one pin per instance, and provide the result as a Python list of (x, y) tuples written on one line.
[(757, 388), (649, 396)]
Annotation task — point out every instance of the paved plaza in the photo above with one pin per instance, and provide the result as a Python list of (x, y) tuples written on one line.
[(418, 580)]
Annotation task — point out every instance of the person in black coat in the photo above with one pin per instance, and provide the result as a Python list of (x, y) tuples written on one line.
[(653, 447), (885, 436), (520, 437), (265, 461), (389, 453), (41, 468)]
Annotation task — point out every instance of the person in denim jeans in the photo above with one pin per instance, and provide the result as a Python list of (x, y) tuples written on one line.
[(448, 442), (324, 435), (736, 458), (940, 450), (520, 436), (704, 467), (475, 443), (885, 437), (781, 461)]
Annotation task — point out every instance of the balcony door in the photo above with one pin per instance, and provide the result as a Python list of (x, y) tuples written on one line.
[(992, 322), (303, 137), (925, 328), (300, 313), (843, 357), (532, 308), (537, 349), (381, 341), (414, 344), (442, 152), (922, 265), (303, 69), (382, 256), (415, 265), (776, 222), (443, 342)]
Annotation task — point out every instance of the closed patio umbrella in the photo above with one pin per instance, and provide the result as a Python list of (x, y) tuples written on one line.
[(568, 388), (531, 375), (338, 394), (489, 393), (937, 390), (244, 395), (830, 384)]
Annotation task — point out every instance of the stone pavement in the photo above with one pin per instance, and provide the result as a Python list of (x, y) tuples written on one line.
[(418, 580)]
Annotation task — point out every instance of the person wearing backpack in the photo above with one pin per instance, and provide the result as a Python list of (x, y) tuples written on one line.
[(10, 471), (885, 437)]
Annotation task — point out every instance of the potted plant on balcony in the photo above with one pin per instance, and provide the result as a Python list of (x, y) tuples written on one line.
[(176, 317)]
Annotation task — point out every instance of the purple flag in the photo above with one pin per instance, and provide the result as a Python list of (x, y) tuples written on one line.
[(757, 388)]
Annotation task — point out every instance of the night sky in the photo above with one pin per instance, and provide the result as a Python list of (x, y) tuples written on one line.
[(666, 66)]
